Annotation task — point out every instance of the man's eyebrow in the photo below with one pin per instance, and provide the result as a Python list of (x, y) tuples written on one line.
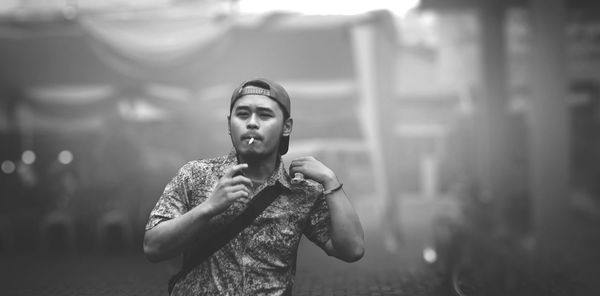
[(265, 109), (259, 108), (241, 107)]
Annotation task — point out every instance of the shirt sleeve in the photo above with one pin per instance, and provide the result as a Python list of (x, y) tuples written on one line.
[(174, 200), (317, 230)]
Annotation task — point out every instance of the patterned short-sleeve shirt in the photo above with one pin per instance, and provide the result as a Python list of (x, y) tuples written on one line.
[(261, 260)]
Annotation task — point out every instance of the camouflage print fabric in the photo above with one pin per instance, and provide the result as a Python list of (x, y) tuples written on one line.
[(261, 260)]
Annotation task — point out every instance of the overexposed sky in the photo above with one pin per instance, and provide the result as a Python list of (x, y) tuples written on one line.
[(310, 7), (327, 7)]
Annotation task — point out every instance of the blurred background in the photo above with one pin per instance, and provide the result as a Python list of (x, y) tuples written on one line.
[(466, 132)]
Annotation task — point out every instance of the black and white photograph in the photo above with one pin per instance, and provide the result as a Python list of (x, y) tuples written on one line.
[(300, 147)]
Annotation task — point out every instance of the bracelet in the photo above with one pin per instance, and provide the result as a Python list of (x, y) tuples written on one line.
[(330, 191)]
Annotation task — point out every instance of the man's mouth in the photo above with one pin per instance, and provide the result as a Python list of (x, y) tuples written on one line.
[(250, 139)]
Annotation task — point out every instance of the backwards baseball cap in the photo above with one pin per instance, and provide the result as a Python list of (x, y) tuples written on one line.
[(271, 89)]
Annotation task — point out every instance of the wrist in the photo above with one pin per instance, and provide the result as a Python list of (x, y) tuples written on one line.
[(330, 182), (332, 190), (206, 211)]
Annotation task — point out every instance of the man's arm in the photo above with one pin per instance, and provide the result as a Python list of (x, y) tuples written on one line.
[(347, 236), (171, 237)]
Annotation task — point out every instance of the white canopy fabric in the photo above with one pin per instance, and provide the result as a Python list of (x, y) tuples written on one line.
[(176, 63), (186, 50), (132, 44)]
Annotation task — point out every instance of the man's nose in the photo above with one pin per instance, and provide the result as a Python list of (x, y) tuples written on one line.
[(252, 121)]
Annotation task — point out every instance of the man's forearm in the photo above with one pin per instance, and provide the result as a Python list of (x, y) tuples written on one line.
[(347, 236), (171, 237)]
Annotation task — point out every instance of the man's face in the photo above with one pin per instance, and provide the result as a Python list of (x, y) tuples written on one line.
[(261, 118)]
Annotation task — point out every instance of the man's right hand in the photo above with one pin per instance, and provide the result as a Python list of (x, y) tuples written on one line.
[(230, 187)]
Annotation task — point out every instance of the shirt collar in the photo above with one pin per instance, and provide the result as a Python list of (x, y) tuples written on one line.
[(280, 174)]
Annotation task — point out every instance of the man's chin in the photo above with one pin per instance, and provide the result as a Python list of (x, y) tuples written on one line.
[(249, 152), (252, 154)]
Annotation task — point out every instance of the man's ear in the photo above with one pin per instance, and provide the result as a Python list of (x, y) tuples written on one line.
[(229, 124), (287, 126)]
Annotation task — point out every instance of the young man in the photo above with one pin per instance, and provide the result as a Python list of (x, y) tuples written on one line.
[(207, 194)]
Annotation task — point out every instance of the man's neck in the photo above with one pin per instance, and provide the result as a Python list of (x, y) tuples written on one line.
[(259, 169)]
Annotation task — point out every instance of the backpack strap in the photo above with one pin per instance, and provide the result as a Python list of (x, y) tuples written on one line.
[(203, 251)]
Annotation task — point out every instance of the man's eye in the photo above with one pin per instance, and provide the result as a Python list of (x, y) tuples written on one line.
[(266, 115), (242, 114)]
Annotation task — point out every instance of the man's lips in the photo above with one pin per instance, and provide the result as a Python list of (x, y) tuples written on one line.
[(248, 137), (251, 139)]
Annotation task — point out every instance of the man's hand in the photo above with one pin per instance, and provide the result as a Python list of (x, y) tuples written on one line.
[(173, 236), (346, 235), (313, 169), (229, 188)]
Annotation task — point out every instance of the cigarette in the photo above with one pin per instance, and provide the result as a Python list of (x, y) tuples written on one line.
[(251, 140)]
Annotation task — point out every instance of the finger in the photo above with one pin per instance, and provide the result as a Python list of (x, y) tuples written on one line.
[(296, 163), (302, 161), (237, 194), (299, 160), (297, 169), (304, 158), (235, 169), (293, 167), (241, 180), (239, 187)]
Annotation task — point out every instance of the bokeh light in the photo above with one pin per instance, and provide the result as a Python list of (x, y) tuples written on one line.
[(28, 157), (430, 255), (65, 157), (8, 167)]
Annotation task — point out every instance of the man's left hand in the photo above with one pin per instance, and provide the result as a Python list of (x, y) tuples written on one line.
[(313, 169)]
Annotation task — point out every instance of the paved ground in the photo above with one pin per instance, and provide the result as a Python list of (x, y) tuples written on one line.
[(131, 274), (91, 273), (380, 272)]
